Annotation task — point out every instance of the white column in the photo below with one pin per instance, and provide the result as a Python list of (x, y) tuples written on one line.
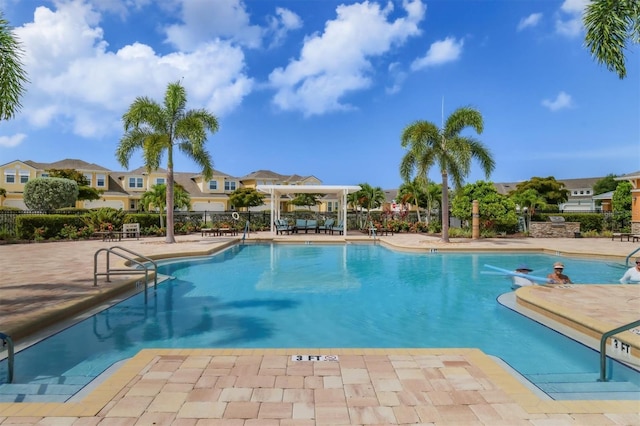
[(344, 210), (271, 197)]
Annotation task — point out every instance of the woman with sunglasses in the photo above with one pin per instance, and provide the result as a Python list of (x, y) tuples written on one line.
[(632, 276), (557, 277)]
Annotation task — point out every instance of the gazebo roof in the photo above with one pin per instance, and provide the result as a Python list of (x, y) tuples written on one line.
[(308, 189)]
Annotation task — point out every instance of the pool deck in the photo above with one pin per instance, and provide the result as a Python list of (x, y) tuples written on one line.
[(47, 283)]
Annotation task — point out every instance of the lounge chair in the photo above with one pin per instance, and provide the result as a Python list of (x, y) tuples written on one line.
[(327, 225), (338, 228), (282, 226)]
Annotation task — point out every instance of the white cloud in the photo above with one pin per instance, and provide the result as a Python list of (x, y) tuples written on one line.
[(11, 141), (562, 101), (440, 52), (398, 76), (337, 61), (77, 82), (530, 21), (569, 20), (204, 20), (280, 25)]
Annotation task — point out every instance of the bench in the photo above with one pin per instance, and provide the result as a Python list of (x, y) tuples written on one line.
[(210, 231), (110, 235), (622, 235)]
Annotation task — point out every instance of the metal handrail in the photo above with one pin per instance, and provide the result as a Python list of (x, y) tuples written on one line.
[(629, 257), (6, 339), (603, 347), (246, 230), (127, 271)]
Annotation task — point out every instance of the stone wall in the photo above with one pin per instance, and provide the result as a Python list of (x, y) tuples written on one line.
[(554, 230)]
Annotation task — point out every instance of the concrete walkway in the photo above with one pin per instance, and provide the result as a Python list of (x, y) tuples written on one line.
[(47, 282)]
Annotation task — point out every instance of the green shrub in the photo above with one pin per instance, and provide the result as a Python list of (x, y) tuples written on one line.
[(50, 193), (50, 225)]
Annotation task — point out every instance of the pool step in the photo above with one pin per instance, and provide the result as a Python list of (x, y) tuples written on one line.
[(42, 389), (584, 386)]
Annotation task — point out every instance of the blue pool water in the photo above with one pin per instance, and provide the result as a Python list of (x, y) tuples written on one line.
[(310, 296)]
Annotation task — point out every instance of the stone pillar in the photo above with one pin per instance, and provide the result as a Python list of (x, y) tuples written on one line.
[(475, 221)]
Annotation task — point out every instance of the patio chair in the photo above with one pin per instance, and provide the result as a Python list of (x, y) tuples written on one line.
[(339, 228), (282, 226), (327, 225)]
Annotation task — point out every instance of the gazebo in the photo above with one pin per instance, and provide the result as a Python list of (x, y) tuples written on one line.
[(276, 191)]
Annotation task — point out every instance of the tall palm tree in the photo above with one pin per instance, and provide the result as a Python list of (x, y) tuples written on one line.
[(610, 25), (156, 128), (428, 145), (13, 77)]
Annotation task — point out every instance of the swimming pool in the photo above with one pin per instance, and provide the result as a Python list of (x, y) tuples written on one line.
[(307, 296)]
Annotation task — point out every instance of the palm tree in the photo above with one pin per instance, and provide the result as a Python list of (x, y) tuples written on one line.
[(610, 25), (12, 76), (411, 191), (528, 199), (370, 198), (428, 145), (156, 128), (156, 198)]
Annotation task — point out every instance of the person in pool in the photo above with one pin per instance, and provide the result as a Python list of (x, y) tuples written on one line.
[(557, 277), (519, 281), (632, 276)]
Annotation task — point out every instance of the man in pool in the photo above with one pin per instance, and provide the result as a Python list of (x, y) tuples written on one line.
[(632, 276), (519, 281), (557, 277)]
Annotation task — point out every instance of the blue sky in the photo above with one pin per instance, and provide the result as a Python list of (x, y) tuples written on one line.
[(325, 88)]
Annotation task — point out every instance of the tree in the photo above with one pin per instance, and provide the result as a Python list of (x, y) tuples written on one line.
[(3, 194), (305, 199), (245, 198), (369, 198), (528, 199), (497, 211), (606, 184), (156, 129), (621, 200), (12, 74), (549, 188), (610, 25), (85, 192), (156, 199), (50, 193), (412, 192), (428, 145)]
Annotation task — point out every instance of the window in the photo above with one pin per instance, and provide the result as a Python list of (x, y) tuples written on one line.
[(44, 175), (24, 176), (10, 176), (135, 182), (213, 185), (332, 206), (100, 181), (160, 181), (89, 178), (229, 185)]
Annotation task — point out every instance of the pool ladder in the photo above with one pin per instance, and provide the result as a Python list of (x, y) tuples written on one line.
[(143, 268), (6, 340), (603, 347)]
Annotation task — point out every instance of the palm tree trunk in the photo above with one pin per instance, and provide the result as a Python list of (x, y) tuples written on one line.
[(170, 237), (445, 207), (418, 207)]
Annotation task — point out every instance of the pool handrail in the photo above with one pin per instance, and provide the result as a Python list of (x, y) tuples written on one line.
[(246, 230), (127, 271), (603, 346), (6, 339), (629, 257)]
